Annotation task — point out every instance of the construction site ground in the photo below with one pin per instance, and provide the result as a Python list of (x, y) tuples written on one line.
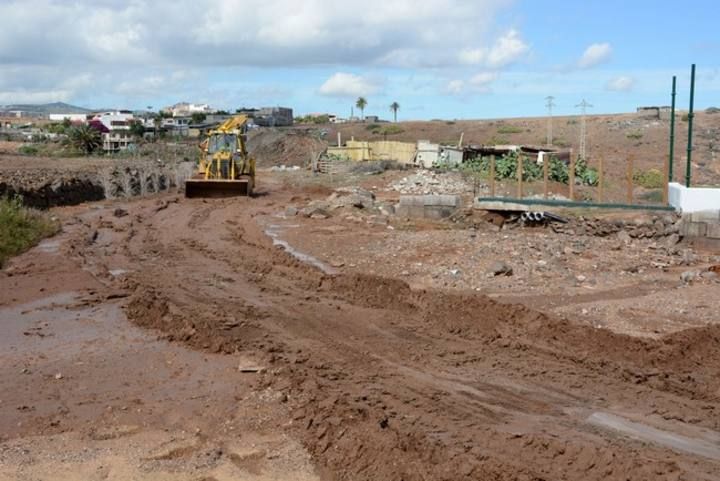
[(165, 338)]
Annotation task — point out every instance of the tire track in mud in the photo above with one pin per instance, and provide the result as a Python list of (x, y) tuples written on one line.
[(391, 383)]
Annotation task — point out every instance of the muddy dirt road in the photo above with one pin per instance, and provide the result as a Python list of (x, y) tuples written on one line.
[(372, 379)]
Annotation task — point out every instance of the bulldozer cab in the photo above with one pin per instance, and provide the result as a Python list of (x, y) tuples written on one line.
[(222, 143)]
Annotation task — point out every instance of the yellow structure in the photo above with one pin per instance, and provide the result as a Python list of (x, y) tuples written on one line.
[(359, 151), (225, 168)]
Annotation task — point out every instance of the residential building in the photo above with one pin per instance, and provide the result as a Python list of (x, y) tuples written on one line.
[(115, 129), (177, 125), (184, 109), (274, 117), (77, 118)]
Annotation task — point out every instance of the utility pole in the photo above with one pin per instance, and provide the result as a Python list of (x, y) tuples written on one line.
[(549, 104), (583, 130)]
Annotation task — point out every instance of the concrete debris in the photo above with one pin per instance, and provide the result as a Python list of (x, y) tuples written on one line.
[(281, 168), (428, 182), (646, 227), (500, 268), (689, 276)]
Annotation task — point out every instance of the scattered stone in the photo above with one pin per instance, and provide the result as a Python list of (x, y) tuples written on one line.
[(499, 268), (624, 237), (319, 215), (709, 275), (672, 239), (426, 182), (291, 211), (689, 276), (120, 212), (58, 376)]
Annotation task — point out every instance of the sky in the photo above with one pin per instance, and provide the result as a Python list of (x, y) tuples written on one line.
[(439, 59)]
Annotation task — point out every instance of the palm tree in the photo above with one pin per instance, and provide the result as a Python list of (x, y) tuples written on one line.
[(85, 138), (394, 107), (361, 104)]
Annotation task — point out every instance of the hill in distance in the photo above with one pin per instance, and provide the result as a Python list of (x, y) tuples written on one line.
[(45, 109)]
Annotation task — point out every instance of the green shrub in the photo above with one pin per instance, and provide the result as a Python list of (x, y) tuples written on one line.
[(635, 135), (506, 169), (509, 129), (21, 228), (378, 129), (685, 117), (29, 149), (649, 179)]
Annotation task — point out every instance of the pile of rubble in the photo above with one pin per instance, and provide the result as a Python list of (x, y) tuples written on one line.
[(642, 227), (425, 182), (354, 202)]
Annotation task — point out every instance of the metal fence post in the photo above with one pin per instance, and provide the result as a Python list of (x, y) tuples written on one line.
[(672, 130), (690, 126)]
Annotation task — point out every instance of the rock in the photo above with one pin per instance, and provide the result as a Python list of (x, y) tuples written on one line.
[(672, 239), (688, 276), (120, 212), (315, 209), (499, 268), (58, 376), (319, 214), (92, 237), (623, 236), (709, 275), (580, 278), (291, 211), (387, 209)]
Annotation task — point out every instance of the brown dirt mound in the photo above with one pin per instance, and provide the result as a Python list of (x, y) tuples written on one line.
[(290, 147)]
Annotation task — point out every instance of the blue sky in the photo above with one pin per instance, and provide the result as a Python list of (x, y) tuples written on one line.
[(437, 58)]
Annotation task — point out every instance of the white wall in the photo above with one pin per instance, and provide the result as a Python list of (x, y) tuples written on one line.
[(71, 117), (693, 199)]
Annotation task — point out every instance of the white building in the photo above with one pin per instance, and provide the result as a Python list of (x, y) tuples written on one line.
[(116, 129), (70, 117), (184, 109)]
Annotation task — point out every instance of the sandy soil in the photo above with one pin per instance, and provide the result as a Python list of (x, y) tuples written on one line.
[(241, 361)]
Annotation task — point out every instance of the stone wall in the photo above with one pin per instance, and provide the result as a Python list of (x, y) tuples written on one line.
[(427, 206), (702, 228)]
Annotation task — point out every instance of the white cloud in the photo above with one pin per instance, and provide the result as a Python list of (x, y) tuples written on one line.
[(344, 84), (620, 84), (595, 54), (455, 87), (115, 42), (479, 83), (507, 49)]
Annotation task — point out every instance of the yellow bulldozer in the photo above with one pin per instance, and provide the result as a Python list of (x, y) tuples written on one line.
[(224, 169)]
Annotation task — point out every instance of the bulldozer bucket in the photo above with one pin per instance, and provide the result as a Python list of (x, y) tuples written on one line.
[(218, 188)]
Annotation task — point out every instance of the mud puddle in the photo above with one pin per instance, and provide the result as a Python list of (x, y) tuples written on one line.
[(642, 432), (273, 231)]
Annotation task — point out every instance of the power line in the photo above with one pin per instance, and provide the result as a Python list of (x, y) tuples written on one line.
[(584, 105), (550, 104)]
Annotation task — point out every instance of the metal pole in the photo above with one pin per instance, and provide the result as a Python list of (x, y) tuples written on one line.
[(492, 175), (546, 160), (690, 126), (630, 179), (520, 177), (571, 176), (672, 130), (601, 178)]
